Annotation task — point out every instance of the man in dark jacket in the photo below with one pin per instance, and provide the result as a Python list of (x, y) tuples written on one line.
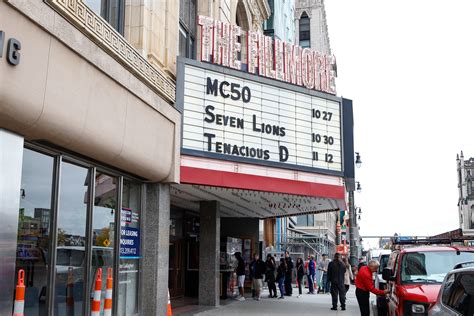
[(336, 271), (288, 274), (257, 271)]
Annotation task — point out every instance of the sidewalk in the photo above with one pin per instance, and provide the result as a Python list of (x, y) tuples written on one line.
[(318, 304)]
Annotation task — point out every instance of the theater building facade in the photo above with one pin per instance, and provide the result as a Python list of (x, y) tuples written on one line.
[(264, 135)]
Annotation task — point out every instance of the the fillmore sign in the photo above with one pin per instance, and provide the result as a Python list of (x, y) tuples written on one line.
[(220, 44)]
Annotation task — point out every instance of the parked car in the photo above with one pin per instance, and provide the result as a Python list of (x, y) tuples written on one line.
[(456, 296), (415, 275), (380, 283)]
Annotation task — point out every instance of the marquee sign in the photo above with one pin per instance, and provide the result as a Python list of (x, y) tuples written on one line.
[(244, 118), (275, 59)]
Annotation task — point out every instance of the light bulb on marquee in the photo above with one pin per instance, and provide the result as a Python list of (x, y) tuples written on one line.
[(252, 51)]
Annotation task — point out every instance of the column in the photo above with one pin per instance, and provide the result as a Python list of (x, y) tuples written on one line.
[(155, 241), (11, 160), (209, 249)]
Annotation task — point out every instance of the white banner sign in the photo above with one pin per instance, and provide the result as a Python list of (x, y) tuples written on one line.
[(241, 118)]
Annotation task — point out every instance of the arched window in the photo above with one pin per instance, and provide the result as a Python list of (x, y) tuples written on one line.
[(242, 20), (305, 34)]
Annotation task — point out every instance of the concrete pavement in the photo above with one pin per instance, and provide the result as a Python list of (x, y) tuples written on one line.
[(318, 304)]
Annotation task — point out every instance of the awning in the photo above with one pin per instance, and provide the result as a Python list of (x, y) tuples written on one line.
[(255, 191)]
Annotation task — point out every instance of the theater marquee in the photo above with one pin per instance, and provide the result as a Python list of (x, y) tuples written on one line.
[(232, 115)]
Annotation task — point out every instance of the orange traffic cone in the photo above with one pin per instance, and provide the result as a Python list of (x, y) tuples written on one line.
[(70, 292), (108, 294), (20, 294), (170, 313), (95, 308)]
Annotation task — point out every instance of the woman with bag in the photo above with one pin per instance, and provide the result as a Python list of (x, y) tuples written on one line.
[(348, 276)]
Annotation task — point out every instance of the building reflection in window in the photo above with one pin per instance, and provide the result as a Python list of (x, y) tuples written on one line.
[(71, 240), (103, 226), (34, 229)]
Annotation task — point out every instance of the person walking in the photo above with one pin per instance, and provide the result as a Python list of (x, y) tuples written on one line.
[(364, 285), (288, 274), (348, 277), (281, 271), (257, 270), (270, 275), (240, 271), (311, 274), (299, 275), (336, 271), (323, 267)]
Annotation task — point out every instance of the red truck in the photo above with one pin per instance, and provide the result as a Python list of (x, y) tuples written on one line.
[(414, 276)]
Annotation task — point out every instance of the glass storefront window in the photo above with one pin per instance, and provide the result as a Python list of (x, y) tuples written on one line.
[(71, 240), (103, 227), (33, 247), (129, 249), (66, 235)]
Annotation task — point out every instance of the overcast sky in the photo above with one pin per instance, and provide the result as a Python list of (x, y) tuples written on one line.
[(408, 66)]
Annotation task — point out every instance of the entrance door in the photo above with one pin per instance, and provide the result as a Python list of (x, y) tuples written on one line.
[(176, 269)]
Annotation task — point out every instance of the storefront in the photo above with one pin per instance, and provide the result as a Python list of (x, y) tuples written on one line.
[(88, 151), (262, 140), (67, 220)]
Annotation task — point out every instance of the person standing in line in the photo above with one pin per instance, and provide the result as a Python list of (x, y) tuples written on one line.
[(258, 269), (270, 276), (336, 272), (281, 271), (365, 284), (240, 271), (288, 274), (323, 267), (311, 273), (300, 275), (348, 277)]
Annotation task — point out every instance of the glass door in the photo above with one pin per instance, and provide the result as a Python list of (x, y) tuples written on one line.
[(71, 263)]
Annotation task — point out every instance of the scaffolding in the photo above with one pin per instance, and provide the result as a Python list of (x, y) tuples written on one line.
[(305, 244)]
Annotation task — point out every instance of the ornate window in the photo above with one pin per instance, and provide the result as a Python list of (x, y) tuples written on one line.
[(305, 34), (113, 11)]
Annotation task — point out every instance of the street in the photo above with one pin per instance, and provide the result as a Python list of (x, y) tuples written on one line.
[(318, 304)]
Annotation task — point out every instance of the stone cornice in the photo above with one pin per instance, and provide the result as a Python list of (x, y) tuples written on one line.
[(104, 35)]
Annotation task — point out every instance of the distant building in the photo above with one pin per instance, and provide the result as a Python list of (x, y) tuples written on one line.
[(311, 26), (465, 170), (281, 23)]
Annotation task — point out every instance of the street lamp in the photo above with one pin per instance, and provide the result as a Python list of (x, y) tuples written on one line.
[(359, 188), (358, 161)]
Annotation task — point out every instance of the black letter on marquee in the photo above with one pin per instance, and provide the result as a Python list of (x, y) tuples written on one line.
[(211, 86), (221, 89), (211, 117), (209, 141), (283, 154), (2, 38), (13, 55)]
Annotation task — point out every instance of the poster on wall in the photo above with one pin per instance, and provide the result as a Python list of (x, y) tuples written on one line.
[(129, 235), (237, 118)]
